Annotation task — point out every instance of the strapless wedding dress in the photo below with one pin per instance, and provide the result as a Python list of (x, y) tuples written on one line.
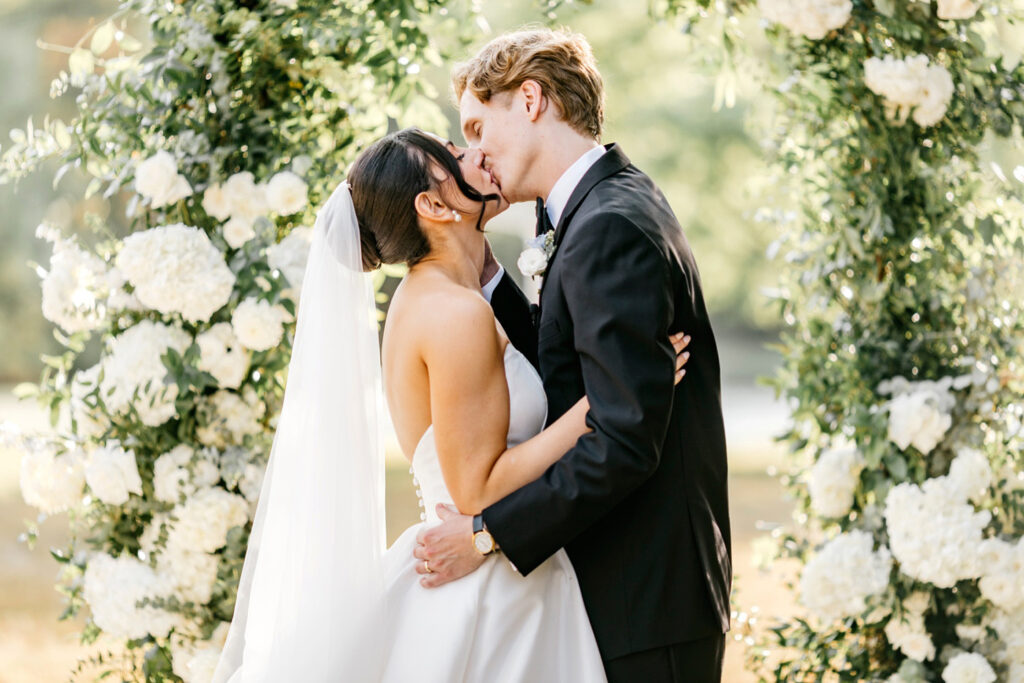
[(493, 626)]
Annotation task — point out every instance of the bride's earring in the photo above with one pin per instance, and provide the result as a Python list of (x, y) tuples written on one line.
[(456, 216)]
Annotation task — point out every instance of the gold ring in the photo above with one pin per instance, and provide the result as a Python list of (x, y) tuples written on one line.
[(426, 567)]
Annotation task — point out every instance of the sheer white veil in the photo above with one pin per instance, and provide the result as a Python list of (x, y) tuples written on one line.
[(310, 601)]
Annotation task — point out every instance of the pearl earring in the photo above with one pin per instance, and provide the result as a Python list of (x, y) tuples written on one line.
[(456, 216)]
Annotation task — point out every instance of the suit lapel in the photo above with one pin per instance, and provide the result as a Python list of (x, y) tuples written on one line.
[(610, 163)]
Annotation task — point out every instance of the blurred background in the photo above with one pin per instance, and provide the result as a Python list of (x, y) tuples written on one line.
[(660, 108)]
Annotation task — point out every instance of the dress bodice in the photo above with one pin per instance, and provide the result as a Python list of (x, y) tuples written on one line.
[(528, 409)]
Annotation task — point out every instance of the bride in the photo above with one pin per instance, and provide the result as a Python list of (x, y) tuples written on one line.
[(319, 598)]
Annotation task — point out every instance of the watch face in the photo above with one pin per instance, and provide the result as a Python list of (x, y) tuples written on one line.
[(483, 542)]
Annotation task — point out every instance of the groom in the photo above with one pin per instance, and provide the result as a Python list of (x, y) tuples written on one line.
[(640, 502)]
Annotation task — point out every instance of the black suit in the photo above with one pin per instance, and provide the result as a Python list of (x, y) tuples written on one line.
[(640, 503)]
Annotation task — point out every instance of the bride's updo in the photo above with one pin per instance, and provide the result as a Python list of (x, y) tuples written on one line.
[(385, 180)]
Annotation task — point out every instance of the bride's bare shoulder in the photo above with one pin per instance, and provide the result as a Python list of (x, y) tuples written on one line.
[(441, 313)]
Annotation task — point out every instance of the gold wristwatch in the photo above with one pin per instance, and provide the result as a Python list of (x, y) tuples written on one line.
[(482, 539)]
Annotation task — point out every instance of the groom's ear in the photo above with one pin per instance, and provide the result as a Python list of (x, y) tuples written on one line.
[(533, 99)]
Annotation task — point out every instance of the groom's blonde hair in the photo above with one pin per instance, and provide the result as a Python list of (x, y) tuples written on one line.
[(560, 61)]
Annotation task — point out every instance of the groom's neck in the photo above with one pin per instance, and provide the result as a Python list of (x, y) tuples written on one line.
[(561, 151)]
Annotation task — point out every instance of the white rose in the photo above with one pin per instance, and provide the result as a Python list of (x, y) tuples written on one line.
[(216, 203), (968, 667), (204, 519), (897, 80), (286, 193), (258, 324), (112, 474), (246, 198), (158, 179), (52, 482), (238, 231), (813, 19), (919, 412), (176, 269), (112, 586), (532, 262), (290, 256), (957, 9), (221, 354), (936, 92), (833, 480), (970, 474)]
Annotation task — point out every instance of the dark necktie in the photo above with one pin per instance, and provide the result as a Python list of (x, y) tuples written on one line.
[(543, 222)]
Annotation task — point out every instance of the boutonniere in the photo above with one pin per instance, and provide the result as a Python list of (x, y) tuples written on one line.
[(533, 262)]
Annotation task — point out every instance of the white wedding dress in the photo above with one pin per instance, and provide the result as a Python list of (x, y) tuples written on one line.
[(493, 626)]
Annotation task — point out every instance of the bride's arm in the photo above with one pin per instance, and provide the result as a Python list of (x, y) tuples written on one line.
[(469, 405)]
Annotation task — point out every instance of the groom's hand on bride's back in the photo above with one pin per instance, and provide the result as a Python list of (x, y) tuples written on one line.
[(445, 552)]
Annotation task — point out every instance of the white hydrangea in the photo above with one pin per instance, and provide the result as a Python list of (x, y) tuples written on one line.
[(286, 193), (968, 667), (134, 360), (240, 201), (290, 256), (919, 412), (112, 586), (838, 581), (176, 269), (970, 474), (909, 636), (112, 473), (52, 482), (223, 356), (119, 298), (74, 287), (158, 179), (204, 519), (171, 476), (833, 480), (259, 324), (238, 231), (934, 533), (226, 417), (909, 84), (813, 19)]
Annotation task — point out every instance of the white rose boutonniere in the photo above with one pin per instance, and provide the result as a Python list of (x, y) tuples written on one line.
[(533, 262)]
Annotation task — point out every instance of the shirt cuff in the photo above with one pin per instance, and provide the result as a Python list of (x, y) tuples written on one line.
[(488, 289)]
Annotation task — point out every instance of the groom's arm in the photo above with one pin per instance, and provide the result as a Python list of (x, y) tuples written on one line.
[(619, 292)]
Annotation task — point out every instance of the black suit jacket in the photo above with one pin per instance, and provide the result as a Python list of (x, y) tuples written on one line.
[(640, 503)]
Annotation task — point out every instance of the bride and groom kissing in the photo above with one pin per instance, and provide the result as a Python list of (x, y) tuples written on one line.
[(574, 480)]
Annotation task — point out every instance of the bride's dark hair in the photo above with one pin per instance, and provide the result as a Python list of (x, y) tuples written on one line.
[(385, 180)]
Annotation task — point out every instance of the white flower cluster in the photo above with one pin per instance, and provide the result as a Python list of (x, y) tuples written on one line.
[(223, 356), (132, 361), (73, 286), (1008, 648), (179, 472), (919, 412), (112, 586), (259, 324), (838, 581), (241, 471), (533, 261), (968, 667), (911, 84), (1002, 582), (157, 178), (934, 533), (241, 200), (955, 9), (812, 19), (176, 269), (833, 480), (907, 633), (196, 661), (51, 481), (226, 417), (290, 256), (112, 473)]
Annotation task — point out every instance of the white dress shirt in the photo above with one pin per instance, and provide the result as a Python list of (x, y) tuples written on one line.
[(556, 201)]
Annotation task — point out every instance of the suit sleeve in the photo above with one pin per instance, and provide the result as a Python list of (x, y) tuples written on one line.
[(620, 297), (513, 311)]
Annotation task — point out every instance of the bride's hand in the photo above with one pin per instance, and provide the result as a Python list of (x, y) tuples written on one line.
[(679, 342)]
